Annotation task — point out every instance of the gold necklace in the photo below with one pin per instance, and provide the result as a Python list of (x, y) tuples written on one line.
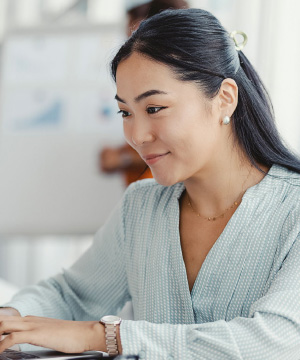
[(214, 218)]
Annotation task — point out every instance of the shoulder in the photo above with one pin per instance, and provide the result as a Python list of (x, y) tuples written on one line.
[(273, 204), (279, 192), (149, 193), (279, 185), (285, 200), (286, 183)]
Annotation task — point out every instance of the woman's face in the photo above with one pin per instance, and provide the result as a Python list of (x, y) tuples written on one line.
[(169, 122)]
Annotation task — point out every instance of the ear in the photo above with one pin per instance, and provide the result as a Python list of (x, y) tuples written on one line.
[(228, 97)]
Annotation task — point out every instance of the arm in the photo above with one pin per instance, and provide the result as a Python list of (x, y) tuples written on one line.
[(272, 330)]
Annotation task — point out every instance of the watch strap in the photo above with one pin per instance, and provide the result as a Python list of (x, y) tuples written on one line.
[(111, 339), (110, 323)]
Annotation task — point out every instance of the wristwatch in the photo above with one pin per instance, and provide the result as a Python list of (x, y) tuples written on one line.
[(110, 322)]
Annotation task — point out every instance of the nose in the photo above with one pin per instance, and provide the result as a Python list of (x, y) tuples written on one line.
[(141, 133)]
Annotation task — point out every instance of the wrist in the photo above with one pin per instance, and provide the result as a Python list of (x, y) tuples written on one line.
[(99, 337)]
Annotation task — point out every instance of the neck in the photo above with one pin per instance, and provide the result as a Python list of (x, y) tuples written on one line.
[(217, 188)]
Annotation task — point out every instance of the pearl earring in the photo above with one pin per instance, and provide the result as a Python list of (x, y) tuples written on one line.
[(226, 120)]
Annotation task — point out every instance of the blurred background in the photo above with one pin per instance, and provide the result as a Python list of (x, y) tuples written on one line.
[(58, 117)]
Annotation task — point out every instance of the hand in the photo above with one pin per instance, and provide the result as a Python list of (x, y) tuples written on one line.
[(61, 335), (10, 312)]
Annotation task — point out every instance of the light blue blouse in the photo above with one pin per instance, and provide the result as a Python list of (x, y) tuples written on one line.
[(245, 303)]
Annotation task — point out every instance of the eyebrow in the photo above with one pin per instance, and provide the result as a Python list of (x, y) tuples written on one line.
[(143, 95)]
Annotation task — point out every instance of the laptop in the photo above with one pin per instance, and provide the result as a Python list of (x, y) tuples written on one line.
[(55, 355)]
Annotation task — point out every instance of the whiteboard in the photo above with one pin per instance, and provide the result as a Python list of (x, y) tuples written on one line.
[(57, 110)]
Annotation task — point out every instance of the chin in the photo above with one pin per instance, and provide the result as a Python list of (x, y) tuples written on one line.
[(165, 179)]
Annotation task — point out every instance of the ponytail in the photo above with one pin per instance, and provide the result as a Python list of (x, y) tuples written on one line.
[(254, 123)]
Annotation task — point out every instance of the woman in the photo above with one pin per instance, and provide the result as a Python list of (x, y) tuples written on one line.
[(209, 256)]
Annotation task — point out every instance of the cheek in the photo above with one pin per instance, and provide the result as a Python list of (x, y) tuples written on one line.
[(182, 135), (195, 141), (188, 125)]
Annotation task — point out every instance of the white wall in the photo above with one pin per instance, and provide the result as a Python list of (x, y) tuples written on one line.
[(279, 64), (26, 260)]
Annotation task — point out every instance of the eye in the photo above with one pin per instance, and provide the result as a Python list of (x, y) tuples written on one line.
[(124, 113), (155, 109)]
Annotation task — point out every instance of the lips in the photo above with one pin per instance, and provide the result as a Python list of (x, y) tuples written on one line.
[(153, 158)]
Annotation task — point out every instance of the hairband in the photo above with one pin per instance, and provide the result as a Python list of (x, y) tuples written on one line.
[(239, 45)]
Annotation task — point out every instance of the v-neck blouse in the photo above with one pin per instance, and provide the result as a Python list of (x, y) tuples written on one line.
[(245, 303)]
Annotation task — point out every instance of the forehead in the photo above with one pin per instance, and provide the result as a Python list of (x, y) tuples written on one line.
[(139, 72)]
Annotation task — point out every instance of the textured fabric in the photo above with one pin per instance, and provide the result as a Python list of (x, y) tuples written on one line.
[(245, 303)]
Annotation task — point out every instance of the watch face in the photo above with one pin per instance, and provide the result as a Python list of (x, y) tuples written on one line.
[(111, 319)]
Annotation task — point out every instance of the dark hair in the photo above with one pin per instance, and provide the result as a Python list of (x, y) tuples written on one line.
[(194, 44)]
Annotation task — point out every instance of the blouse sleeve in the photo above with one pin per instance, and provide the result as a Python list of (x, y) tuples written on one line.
[(94, 286), (272, 330)]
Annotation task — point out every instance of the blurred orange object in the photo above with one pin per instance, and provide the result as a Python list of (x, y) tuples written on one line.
[(126, 160)]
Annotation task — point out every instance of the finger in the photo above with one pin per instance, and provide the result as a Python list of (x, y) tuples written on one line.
[(25, 318), (36, 338), (7, 327), (13, 339), (9, 318)]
